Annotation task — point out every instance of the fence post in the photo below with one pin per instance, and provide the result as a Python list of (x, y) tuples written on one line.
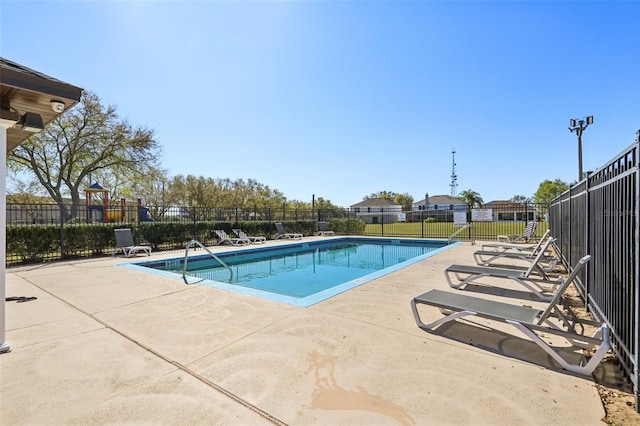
[(587, 240), (62, 214)]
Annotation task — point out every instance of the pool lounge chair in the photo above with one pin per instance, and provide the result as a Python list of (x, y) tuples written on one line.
[(224, 238), (528, 233), (124, 243), (253, 239), (491, 257), (538, 285), (323, 229), (282, 234), (529, 321), (518, 247)]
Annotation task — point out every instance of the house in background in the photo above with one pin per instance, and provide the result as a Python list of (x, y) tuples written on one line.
[(439, 202), (505, 210), (438, 207), (377, 210)]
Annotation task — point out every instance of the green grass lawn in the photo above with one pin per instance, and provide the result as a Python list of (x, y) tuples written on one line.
[(483, 230)]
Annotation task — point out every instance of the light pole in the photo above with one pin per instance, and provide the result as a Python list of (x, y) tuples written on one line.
[(578, 126)]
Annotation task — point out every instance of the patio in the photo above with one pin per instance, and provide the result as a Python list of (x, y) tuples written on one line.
[(106, 344)]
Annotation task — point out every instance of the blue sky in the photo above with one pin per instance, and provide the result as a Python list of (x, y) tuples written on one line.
[(345, 98)]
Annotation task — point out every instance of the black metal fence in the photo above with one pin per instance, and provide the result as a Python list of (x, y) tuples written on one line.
[(42, 232), (600, 216)]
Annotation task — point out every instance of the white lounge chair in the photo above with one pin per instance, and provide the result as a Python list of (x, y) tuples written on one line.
[(253, 239), (531, 322), (538, 285), (491, 257), (124, 243), (282, 234), (518, 247), (528, 233), (224, 238), (323, 229)]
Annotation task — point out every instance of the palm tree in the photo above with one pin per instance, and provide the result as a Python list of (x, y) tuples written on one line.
[(472, 198)]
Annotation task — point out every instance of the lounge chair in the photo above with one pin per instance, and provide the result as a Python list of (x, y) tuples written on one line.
[(489, 257), (323, 229), (550, 321), (528, 233), (282, 234), (538, 285), (124, 243), (253, 239), (224, 238), (518, 247)]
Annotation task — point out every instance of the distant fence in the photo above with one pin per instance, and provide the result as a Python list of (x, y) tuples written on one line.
[(43, 232), (600, 216)]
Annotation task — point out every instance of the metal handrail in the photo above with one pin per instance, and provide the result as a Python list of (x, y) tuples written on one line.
[(186, 253), (467, 226)]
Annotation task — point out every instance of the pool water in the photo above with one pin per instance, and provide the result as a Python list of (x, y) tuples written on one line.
[(303, 273)]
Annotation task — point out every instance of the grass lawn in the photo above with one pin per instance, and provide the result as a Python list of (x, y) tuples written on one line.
[(483, 230)]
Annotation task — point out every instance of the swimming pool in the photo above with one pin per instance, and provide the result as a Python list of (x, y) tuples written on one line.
[(302, 273)]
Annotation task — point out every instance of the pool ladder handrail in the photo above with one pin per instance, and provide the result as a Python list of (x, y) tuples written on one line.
[(186, 257), (467, 226)]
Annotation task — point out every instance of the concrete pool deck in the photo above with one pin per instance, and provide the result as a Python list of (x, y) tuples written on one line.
[(103, 344)]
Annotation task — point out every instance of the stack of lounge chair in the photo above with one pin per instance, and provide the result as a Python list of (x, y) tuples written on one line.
[(555, 319)]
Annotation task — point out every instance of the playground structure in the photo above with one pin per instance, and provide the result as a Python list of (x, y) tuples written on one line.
[(96, 213)]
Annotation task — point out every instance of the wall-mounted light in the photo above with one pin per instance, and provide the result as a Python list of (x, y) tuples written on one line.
[(31, 122)]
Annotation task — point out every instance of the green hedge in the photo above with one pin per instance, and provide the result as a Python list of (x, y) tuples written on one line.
[(37, 243)]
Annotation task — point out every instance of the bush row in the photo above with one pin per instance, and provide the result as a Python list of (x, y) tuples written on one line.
[(37, 243)]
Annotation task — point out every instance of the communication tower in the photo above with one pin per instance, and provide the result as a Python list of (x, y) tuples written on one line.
[(454, 176)]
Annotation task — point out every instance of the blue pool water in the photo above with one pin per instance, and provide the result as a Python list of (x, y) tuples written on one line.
[(303, 273)]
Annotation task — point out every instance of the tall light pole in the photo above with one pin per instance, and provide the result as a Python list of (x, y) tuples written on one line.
[(578, 126)]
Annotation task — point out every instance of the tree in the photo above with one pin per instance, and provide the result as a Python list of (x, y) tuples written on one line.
[(471, 197), (88, 139), (520, 199), (405, 200), (549, 190), (387, 195)]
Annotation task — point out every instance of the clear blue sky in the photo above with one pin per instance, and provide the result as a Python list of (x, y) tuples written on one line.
[(345, 98)]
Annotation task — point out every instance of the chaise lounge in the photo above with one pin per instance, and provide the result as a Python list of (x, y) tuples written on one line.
[(124, 243), (282, 234), (531, 322), (253, 239), (223, 237), (540, 286), (489, 257), (323, 229), (528, 233)]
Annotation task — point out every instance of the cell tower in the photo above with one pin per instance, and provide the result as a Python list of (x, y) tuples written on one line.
[(454, 176)]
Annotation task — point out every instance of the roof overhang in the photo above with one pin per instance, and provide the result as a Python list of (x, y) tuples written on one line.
[(26, 94)]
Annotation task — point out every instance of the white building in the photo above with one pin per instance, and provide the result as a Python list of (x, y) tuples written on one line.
[(439, 202), (377, 210)]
